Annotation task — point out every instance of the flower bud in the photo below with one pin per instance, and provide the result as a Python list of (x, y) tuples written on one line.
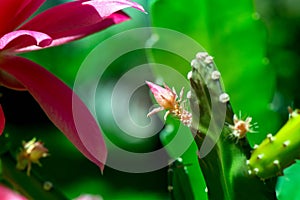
[(31, 152), (165, 97)]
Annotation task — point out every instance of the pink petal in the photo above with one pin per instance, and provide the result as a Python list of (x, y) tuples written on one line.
[(8, 194), (15, 12), (161, 94), (68, 37), (77, 19), (2, 121), (23, 38), (9, 81), (107, 7), (158, 90), (62, 106)]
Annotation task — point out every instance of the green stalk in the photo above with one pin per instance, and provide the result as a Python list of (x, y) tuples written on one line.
[(186, 180), (33, 186)]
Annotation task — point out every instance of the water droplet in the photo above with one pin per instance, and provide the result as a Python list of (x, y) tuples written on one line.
[(224, 98), (215, 75), (47, 185)]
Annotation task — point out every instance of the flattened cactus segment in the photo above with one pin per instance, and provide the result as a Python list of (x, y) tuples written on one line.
[(208, 100), (220, 137), (210, 106), (277, 152)]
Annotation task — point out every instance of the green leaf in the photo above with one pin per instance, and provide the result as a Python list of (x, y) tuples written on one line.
[(33, 187), (234, 35), (287, 187)]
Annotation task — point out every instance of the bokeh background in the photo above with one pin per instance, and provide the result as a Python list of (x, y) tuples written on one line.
[(255, 45)]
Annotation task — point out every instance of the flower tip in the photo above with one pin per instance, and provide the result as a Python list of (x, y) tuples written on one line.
[(157, 90), (150, 84), (101, 167), (45, 42), (139, 7)]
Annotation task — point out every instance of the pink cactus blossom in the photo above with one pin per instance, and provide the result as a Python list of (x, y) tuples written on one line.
[(55, 26), (168, 100), (165, 97)]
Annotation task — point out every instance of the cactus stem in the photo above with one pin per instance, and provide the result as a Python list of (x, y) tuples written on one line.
[(286, 143), (260, 156), (270, 137), (224, 98)]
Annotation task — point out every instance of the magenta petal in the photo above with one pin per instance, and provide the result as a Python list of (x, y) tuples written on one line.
[(107, 7), (77, 34), (2, 121), (8, 194), (161, 95), (23, 38), (15, 12), (60, 104), (9, 81), (79, 19)]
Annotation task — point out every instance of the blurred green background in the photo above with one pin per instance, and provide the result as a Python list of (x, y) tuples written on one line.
[(255, 45)]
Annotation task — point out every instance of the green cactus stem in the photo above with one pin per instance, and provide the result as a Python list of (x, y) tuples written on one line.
[(33, 187), (277, 152), (185, 178), (222, 160)]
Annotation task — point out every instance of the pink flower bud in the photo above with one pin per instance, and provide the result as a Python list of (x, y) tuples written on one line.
[(165, 97)]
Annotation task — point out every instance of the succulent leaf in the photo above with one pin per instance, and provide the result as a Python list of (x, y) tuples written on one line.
[(222, 160), (277, 152)]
